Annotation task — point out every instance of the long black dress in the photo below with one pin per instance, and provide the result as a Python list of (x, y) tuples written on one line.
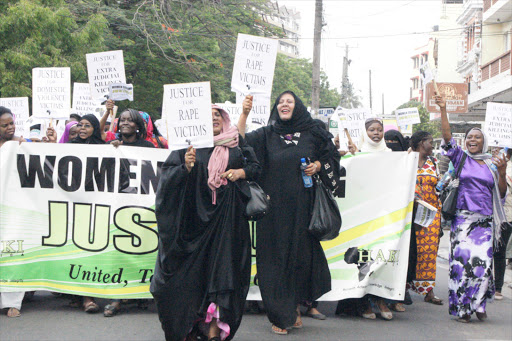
[(291, 264), (204, 249)]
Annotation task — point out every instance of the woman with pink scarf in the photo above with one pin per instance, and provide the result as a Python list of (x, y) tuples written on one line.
[(202, 272)]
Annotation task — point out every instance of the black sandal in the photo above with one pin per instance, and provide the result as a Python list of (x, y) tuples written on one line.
[(111, 310)]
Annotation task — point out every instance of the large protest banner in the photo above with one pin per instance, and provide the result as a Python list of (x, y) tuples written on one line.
[(80, 219), (51, 92), (20, 110), (498, 124)]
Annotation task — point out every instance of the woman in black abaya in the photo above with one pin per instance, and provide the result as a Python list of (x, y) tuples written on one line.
[(203, 267), (292, 268)]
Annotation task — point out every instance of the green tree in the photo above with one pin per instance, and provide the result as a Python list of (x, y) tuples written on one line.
[(43, 33), (432, 127), (350, 99), (295, 74)]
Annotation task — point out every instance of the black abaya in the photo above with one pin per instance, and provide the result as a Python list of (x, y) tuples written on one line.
[(204, 249), (291, 264)]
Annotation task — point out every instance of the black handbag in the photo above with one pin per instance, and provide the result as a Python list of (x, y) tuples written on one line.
[(258, 204), (325, 221), (450, 193)]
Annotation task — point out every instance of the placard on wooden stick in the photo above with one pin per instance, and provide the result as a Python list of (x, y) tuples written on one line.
[(253, 69), (20, 111), (51, 92), (187, 109), (104, 68)]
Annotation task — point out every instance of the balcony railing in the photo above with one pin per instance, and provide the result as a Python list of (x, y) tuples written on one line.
[(488, 4), (496, 66)]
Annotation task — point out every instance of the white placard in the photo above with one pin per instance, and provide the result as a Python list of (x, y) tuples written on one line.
[(338, 116), (104, 68), (255, 61), (120, 92), (260, 112), (234, 111), (38, 126), (51, 92), (20, 110), (498, 124), (425, 214), (83, 103), (407, 116), (187, 109), (353, 120), (426, 73)]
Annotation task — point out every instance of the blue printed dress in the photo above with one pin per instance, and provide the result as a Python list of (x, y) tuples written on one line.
[(471, 281)]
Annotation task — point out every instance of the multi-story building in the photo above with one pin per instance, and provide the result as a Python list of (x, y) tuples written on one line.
[(419, 57), (440, 51), (287, 19), (485, 60)]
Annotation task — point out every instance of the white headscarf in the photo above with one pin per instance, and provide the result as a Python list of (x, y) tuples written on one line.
[(367, 145)]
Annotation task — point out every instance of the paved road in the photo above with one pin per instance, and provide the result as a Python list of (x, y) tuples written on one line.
[(47, 317)]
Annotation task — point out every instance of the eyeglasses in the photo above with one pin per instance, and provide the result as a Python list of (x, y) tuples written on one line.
[(86, 126)]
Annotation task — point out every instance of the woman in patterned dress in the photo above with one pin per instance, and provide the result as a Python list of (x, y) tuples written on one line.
[(427, 238), (476, 228)]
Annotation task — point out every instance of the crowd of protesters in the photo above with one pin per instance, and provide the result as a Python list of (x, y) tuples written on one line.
[(200, 293)]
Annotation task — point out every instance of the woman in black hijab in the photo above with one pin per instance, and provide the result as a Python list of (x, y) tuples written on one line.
[(292, 267), (396, 141), (89, 131)]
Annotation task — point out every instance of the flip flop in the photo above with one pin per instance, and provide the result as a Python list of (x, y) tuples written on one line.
[(434, 300), (111, 310), (91, 307), (318, 316), (13, 312), (279, 331)]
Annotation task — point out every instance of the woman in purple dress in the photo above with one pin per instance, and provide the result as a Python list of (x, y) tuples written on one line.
[(477, 222)]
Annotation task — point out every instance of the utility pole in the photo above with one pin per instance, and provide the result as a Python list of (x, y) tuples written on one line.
[(382, 104), (317, 44), (371, 91), (344, 80)]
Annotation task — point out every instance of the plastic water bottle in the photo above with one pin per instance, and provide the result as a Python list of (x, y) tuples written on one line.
[(308, 181), (447, 177)]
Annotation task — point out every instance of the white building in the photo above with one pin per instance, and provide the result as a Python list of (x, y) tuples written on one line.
[(485, 61), (287, 19)]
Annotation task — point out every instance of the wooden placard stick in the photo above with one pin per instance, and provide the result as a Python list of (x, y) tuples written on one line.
[(188, 141), (348, 137)]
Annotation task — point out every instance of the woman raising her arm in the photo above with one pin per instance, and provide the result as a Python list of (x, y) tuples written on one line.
[(292, 268), (477, 221)]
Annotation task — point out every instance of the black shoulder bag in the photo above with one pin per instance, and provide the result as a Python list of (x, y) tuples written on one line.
[(325, 221), (258, 204), (450, 193)]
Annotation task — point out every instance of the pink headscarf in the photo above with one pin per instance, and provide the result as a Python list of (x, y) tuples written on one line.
[(65, 135), (228, 138)]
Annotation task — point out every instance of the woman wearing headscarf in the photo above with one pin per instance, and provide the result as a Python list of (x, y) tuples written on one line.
[(427, 238), (476, 226), (396, 141), (203, 267), (70, 133), (292, 268), (371, 141), (88, 131)]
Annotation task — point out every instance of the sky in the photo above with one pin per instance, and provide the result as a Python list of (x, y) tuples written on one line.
[(386, 49)]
